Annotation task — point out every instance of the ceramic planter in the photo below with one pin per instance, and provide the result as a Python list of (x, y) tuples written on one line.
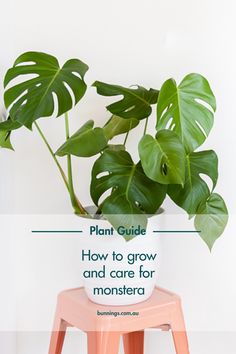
[(111, 287)]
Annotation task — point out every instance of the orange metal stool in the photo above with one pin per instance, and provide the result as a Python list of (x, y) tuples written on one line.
[(161, 310)]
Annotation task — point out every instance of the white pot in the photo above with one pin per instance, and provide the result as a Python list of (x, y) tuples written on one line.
[(103, 289)]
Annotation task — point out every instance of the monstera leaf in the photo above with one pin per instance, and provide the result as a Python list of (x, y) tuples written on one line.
[(163, 157), (132, 194), (195, 189), (117, 125), (136, 102), (211, 219), (187, 109), (87, 141), (33, 98)]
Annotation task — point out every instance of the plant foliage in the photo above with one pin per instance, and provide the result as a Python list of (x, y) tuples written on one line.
[(126, 192)]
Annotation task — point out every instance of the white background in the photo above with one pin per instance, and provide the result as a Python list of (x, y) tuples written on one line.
[(125, 42)]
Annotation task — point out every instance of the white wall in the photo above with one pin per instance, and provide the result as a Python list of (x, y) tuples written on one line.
[(126, 42)]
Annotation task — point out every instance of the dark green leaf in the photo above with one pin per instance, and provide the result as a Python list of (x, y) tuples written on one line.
[(87, 141), (132, 194), (185, 109), (9, 125), (136, 102), (195, 188), (163, 157), (117, 125), (211, 219), (5, 140), (33, 98)]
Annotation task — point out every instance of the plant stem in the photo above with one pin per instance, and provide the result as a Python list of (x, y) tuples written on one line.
[(145, 126), (82, 211), (126, 137), (53, 155), (74, 201), (127, 134)]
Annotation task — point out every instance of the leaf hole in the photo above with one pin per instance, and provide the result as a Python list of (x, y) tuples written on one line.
[(204, 104), (76, 74), (102, 174), (139, 205), (164, 169), (167, 108), (26, 63), (201, 128), (168, 125), (129, 109), (23, 94), (70, 92), (18, 80), (55, 104), (105, 194)]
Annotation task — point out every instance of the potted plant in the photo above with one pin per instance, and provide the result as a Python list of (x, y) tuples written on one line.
[(125, 192)]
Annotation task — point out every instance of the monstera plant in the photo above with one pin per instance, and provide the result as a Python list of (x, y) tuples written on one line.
[(170, 162)]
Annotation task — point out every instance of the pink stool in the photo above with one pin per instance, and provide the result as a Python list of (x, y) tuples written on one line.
[(161, 310)]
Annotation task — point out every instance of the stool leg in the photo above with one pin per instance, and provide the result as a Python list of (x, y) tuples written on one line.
[(57, 336), (103, 342), (179, 332), (133, 342)]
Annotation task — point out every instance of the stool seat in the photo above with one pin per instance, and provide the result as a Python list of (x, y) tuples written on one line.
[(105, 324)]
